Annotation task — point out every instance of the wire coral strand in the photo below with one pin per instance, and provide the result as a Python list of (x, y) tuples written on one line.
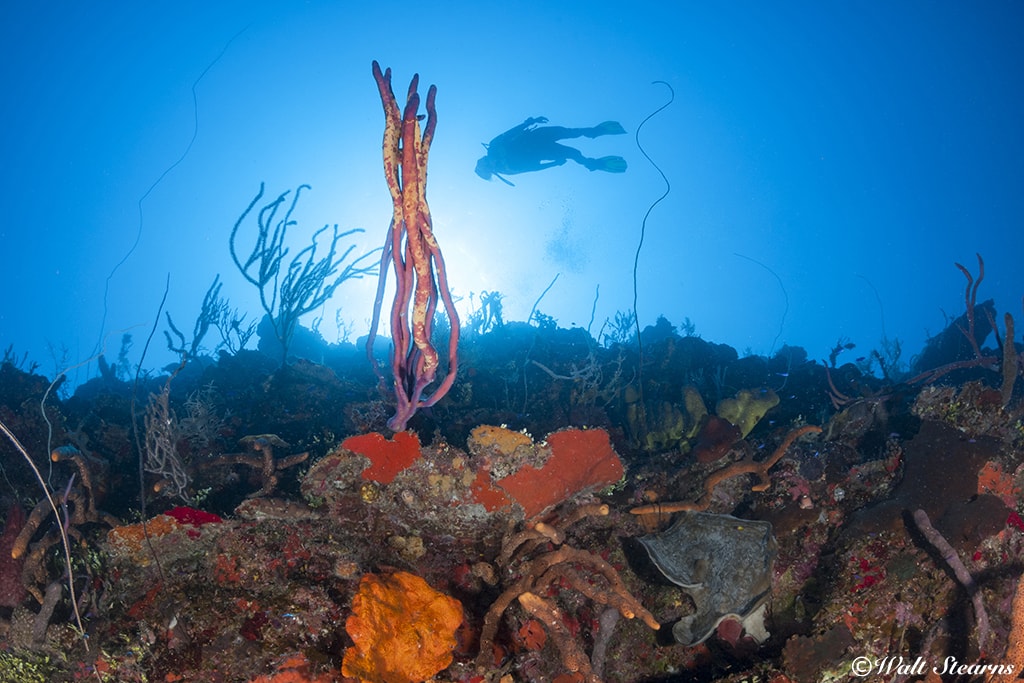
[(643, 231), (160, 178), (668, 188)]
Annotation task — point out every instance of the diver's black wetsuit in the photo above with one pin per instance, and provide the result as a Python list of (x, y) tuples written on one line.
[(528, 148)]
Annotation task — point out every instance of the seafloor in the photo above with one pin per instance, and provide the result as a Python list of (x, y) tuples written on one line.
[(291, 537)]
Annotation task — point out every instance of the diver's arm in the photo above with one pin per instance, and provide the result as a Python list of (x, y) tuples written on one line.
[(516, 131)]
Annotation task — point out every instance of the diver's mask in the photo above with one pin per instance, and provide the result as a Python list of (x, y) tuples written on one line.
[(485, 170)]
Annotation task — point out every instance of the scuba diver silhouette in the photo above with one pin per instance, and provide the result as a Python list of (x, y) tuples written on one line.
[(528, 148)]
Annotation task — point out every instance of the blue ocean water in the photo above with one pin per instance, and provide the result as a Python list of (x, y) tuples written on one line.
[(828, 163)]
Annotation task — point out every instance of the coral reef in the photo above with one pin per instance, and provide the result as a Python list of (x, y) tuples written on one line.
[(287, 560)]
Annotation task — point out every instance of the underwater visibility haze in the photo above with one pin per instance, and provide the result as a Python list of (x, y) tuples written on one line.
[(669, 342)]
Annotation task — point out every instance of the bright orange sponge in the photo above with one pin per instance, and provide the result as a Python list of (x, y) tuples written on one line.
[(404, 630)]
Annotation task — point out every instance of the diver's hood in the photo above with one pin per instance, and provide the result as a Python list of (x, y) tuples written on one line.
[(484, 169)]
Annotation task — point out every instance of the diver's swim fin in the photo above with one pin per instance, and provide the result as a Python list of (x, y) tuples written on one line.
[(607, 128), (609, 164)]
